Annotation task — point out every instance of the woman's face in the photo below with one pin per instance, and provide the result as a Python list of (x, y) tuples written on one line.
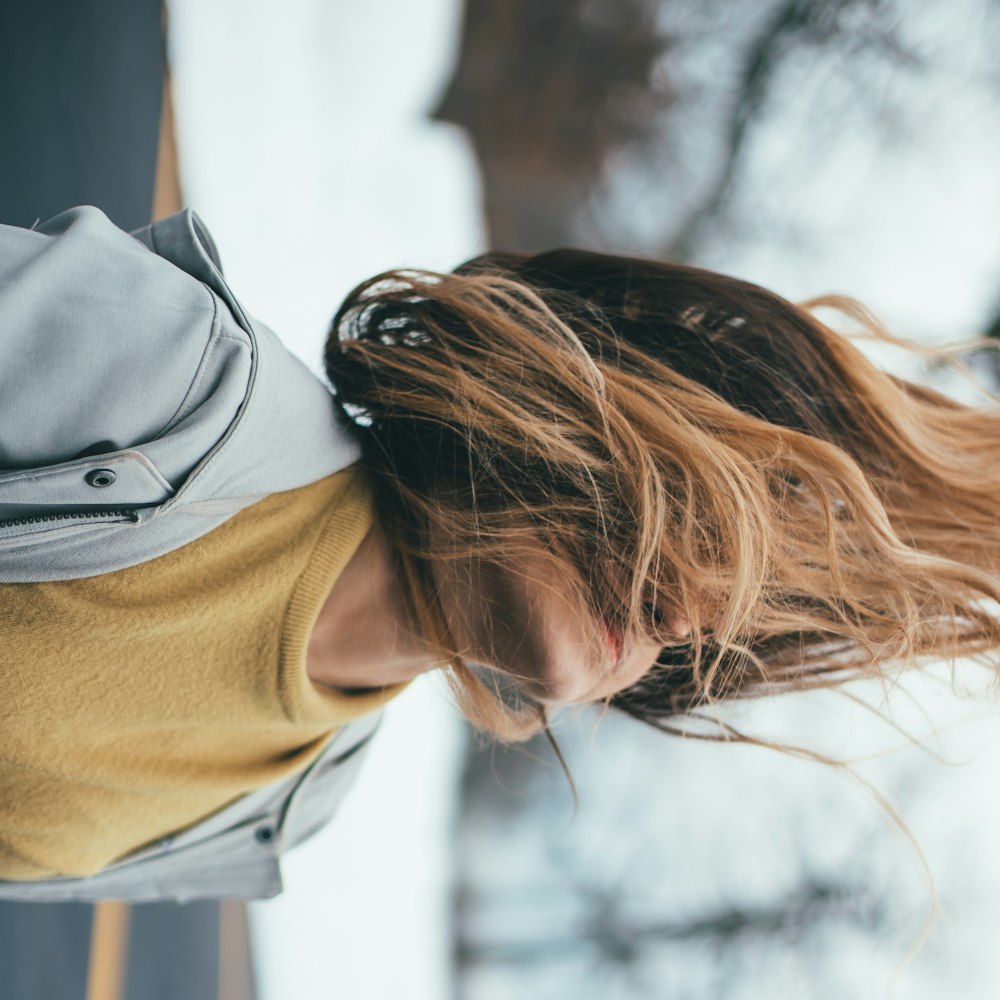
[(525, 624)]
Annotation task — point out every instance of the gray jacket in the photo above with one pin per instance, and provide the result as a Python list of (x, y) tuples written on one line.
[(141, 407)]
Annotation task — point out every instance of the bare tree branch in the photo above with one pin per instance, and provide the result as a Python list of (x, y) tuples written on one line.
[(608, 931), (795, 22)]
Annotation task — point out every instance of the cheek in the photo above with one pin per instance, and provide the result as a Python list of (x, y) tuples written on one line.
[(491, 618)]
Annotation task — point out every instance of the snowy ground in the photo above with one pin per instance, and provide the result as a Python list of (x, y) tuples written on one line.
[(302, 148)]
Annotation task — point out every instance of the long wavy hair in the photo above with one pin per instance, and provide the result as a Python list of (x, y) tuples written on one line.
[(676, 442)]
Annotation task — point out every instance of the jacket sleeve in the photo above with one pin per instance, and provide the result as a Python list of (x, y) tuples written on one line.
[(100, 339)]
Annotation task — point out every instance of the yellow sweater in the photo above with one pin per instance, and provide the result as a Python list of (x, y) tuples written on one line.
[(136, 703)]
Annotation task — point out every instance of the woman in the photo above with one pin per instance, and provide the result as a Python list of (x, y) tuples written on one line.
[(562, 478), (709, 492)]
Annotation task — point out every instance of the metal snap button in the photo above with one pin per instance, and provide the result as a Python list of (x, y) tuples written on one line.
[(100, 477)]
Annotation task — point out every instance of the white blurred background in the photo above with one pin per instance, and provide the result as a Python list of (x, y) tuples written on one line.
[(712, 871)]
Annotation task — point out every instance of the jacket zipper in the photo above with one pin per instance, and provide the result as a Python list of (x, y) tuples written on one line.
[(130, 514)]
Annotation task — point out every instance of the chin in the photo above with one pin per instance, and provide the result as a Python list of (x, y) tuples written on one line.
[(555, 691)]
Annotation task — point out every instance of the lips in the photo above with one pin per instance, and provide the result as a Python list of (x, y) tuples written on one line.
[(616, 642)]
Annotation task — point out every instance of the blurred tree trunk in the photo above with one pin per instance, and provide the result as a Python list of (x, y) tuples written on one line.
[(547, 91)]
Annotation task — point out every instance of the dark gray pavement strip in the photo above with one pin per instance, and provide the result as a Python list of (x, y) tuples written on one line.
[(81, 84), (44, 950), (173, 952)]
